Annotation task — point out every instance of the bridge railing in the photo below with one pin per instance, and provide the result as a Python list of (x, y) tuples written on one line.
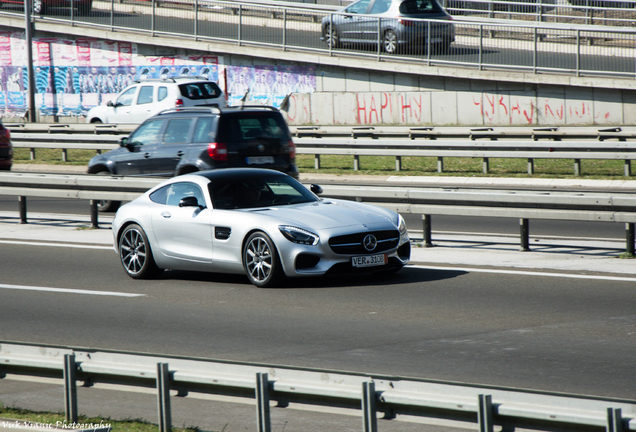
[(481, 42), (475, 406)]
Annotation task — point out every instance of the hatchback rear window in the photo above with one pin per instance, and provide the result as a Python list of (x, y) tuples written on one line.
[(413, 7), (255, 128), (200, 90)]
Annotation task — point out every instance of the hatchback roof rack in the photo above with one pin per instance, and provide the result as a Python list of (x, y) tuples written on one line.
[(172, 79), (265, 107)]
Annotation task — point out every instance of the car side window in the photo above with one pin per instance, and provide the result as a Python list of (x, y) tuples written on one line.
[(177, 131), (204, 130), (126, 98), (145, 95), (160, 195), (162, 93), (147, 133), (177, 191), (380, 6), (359, 7)]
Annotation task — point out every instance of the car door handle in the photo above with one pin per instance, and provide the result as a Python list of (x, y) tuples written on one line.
[(166, 214), (180, 153), (146, 155)]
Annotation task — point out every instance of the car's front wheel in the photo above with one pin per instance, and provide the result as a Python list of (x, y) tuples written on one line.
[(261, 261), (135, 254), (331, 36), (39, 7)]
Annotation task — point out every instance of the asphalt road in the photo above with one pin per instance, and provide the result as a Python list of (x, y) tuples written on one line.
[(556, 334)]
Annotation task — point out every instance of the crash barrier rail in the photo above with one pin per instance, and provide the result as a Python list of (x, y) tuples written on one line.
[(372, 394), (536, 47), (485, 143), (613, 205)]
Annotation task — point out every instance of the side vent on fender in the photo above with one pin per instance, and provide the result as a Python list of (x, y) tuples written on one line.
[(222, 233)]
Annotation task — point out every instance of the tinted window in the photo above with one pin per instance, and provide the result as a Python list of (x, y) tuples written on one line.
[(160, 195), (145, 95), (258, 192), (177, 131), (204, 130), (412, 7), (146, 134), (253, 127), (200, 90)]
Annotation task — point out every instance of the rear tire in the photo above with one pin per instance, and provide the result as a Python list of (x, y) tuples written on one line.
[(390, 42), (39, 7), (135, 254), (107, 206), (331, 36)]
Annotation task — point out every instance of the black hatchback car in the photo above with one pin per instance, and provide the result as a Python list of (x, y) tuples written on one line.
[(185, 140)]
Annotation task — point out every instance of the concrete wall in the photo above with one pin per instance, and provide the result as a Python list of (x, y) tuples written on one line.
[(355, 92)]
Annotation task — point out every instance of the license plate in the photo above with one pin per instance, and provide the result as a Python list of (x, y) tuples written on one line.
[(369, 261), (260, 160)]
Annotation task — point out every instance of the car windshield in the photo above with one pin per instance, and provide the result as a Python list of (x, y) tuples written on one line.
[(263, 191)]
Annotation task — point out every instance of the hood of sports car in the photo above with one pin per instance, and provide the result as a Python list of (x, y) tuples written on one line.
[(330, 213)]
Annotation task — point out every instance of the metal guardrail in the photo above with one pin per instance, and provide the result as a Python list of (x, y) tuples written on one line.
[(609, 206), (485, 143), (603, 51), (484, 406)]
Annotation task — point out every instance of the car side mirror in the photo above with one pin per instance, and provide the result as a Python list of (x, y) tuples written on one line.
[(110, 104), (123, 142), (316, 189), (190, 201)]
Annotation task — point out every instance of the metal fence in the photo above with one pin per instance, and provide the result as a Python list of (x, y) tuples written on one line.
[(547, 48)]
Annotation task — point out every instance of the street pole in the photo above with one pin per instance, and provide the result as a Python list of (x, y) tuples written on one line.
[(28, 29)]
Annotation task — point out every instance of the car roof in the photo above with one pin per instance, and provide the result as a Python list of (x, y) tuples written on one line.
[(215, 109), (232, 174)]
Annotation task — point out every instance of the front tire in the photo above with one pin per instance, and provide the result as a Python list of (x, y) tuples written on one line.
[(135, 254), (261, 261), (38, 7)]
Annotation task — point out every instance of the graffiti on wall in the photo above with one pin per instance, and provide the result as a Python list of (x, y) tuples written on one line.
[(268, 85), (72, 76)]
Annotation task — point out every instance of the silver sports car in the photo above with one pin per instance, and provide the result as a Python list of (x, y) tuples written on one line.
[(255, 221)]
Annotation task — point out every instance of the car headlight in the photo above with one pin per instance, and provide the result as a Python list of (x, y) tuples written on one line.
[(298, 235), (401, 225)]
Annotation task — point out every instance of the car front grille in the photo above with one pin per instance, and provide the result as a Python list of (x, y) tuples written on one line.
[(352, 244)]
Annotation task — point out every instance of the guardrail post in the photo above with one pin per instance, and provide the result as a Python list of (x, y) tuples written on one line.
[(427, 221), (94, 214), (356, 162), (530, 166), (398, 163), (317, 162), (70, 388), (22, 203), (163, 397), (369, 416), (628, 168), (484, 416), (614, 420), (525, 234), (577, 167), (630, 237), (262, 403), (440, 164), (485, 165)]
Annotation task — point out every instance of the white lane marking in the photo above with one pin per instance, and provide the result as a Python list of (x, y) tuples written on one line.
[(69, 245), (528, 273), (70, 291)]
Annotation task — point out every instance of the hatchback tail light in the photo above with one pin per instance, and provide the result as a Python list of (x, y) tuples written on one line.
[(178, 103), (218, 151), (4, 131)]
